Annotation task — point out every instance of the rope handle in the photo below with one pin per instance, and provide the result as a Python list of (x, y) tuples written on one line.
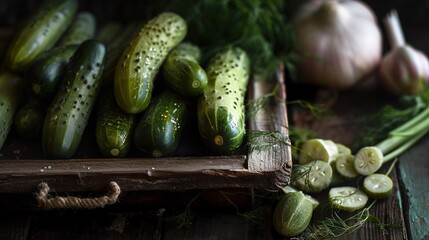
[(46, 202)]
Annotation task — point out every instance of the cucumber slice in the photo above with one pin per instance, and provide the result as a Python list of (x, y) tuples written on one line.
[(342, 149), (378, 186), (344, 164), (314, 202), (347, 198), (315, 176), (318, 149), (368, 160)]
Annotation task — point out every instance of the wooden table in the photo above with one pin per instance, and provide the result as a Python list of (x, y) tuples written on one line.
[(216, 218)]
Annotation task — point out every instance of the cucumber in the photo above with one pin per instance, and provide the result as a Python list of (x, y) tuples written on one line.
[(140, 61), (160, 127), (347, 198), (81, 29), (292, 214), (114, 128), (68, 114), (182, 70), (45, 74), (378, 186), (108, 32), (220, 110), (28, 120), (10, 97), (40, 32), (114, 49)]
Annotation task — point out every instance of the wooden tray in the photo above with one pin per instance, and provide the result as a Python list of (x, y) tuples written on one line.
[(23, 167)]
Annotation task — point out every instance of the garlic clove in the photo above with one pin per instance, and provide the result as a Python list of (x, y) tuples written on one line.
[(404, 71)]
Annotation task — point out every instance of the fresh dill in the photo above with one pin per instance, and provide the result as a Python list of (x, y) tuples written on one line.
[(259, 140), (377, 126), (255, 105), (260, 27), (316, 110), (185, 218), (255, 215), (336, 226)]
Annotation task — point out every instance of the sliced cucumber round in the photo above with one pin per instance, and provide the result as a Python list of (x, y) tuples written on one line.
[(314, 177), (314, 202), (343, 149), (368, 160), (378, 186), (318, 149), (344, 164), (347, 198)]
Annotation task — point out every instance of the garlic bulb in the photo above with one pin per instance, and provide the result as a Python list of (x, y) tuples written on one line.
[(338, 42), (404, 70)]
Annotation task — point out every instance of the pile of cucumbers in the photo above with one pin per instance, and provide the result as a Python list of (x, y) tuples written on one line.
[(60, 66)]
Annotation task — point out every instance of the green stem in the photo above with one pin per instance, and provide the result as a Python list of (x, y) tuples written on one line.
[(398, 151), (423, 115), (406, 132)]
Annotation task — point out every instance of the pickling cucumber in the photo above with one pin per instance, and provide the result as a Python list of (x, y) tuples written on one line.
[(28, 120), (45, 73), (40, 32), (81, 29), (182, 70), (114, 128), (220, 110), (10, 98), (139, 63), (68, 114), (160, 127)]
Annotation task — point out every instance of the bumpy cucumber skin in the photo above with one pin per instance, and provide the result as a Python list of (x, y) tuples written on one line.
[(140, 61), (182, 70), (114, 128), (68, 114), (10, 98), (45, 73), (42, 30), (160, 127), (221, 120), (81, 29)]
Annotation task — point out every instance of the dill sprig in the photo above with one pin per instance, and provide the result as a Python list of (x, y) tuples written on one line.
[(254, 105), (259, 140), (377, 126), (185, 218), (316, 110), (335, 226), (259, 27), (255, 215)]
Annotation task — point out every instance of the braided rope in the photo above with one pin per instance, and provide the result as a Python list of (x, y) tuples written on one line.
[(75, 202)]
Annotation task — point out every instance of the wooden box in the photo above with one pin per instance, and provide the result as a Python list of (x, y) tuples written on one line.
[(192, 166)]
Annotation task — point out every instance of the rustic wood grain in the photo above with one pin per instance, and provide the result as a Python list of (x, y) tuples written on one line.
[(23, 166), (276, 160), (414, 177)]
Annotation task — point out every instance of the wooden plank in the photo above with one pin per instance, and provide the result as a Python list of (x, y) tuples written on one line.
[(413, 171), (277, 158), (340, 127), (389, 212), (23, 165), (130, 174), (82, 225), (221, 225), (14, 226)]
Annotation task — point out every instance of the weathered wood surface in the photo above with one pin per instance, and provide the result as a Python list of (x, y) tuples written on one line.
[(408, 205), (23, 167)]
